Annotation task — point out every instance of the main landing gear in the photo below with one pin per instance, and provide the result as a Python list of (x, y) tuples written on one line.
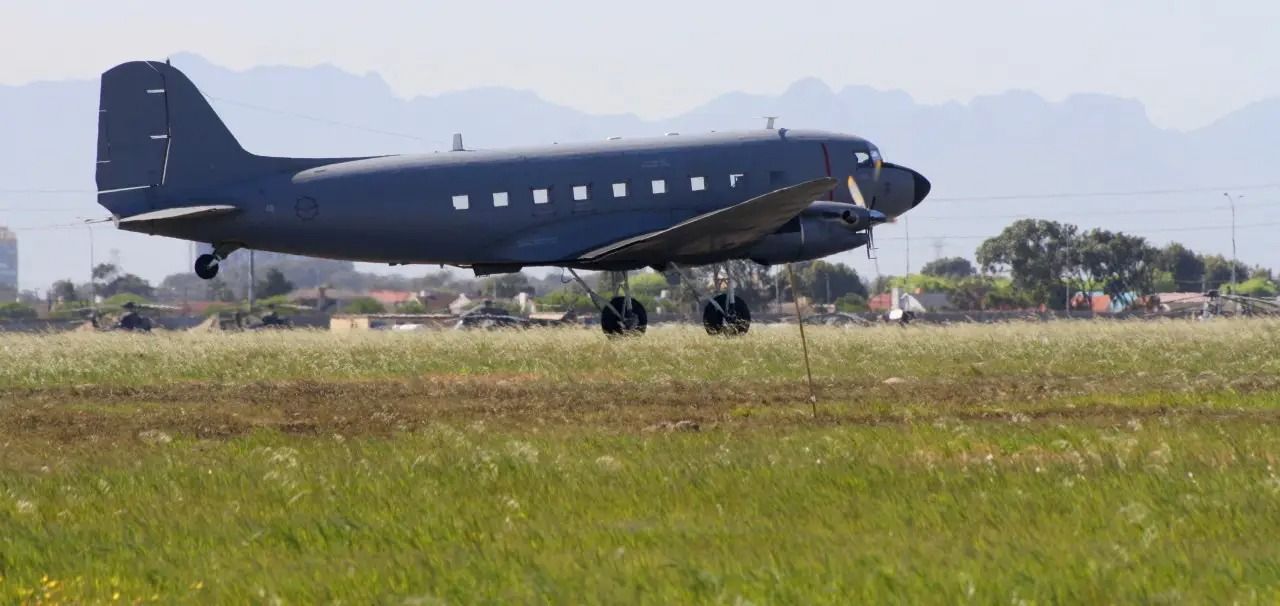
[(620, 316), (207, 264), (722, 317), (724, 314)]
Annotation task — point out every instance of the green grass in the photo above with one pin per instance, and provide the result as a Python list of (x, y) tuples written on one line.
[(1027, 463)]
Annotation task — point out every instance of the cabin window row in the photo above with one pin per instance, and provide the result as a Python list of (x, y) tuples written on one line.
[(582, 193)]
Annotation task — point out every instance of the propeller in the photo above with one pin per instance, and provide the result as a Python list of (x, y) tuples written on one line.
[(856, 192), (874, 217)]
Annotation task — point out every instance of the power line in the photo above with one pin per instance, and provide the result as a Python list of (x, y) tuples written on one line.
[(1104, 194), (81, 224), (41, 210), (950, 217), (47, 191), (1092, 213), (1137, 232), (978, 198), (326, 121)]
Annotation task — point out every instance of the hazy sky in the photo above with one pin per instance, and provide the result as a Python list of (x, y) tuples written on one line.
[(1189, 61)]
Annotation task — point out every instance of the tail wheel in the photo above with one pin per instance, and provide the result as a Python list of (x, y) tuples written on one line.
[(633, 322), (206, 266), (735, 320)]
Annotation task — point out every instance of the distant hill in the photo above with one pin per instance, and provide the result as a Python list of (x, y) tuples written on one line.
[(1007, 144)]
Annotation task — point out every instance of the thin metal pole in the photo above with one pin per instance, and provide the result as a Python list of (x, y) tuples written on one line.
[(906, 229), (595, 299), (1232, 200), (251, 279), (808, 371), (93, 283)]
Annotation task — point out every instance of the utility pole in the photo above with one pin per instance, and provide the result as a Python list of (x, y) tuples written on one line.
[(251, 280), (906, 228), (1232, 200), (93, 283), (777, 290)]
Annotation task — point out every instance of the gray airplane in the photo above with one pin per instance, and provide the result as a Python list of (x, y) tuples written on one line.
[(168, 166)]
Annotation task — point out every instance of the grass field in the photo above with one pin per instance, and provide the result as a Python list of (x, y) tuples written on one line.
[(1025, 463)]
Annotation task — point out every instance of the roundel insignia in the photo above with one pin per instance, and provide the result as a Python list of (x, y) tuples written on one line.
[(307, 208)]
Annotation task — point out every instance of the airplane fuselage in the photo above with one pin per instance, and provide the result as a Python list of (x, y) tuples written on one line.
[(537, 206)]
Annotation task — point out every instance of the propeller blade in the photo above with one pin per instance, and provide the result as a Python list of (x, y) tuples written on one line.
[(856, 192), (879, 165)]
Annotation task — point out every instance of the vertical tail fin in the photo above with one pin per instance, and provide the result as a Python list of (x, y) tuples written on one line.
[(158, 136)]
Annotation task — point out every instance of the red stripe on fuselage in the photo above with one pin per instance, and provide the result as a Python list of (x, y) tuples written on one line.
[(826, 159)]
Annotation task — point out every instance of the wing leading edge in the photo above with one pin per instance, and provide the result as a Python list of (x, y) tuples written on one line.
[(719, 230)]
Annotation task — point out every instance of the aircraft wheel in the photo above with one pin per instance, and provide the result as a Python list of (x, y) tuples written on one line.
[(206, 266), (736, 322), (632, 325)]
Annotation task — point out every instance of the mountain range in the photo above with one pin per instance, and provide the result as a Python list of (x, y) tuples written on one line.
[(991, 159)]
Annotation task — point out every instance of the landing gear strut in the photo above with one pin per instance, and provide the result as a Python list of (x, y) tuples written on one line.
[(207, 264), (620, 316)]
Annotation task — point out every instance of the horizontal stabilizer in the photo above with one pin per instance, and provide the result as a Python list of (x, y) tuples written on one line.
[(720, 230), (182, 212)]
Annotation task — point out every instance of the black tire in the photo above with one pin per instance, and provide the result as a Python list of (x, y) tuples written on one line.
[(206, 266), (738, 322), (637, 319)]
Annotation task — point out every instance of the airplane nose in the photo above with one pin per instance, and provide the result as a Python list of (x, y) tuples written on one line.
[(898, 189), (922, 187)]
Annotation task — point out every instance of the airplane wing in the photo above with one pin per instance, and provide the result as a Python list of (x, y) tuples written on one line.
[(724, 229), (183, 212)]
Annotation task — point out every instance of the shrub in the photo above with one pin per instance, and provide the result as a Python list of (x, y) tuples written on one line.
[(16, 311), (363, 305)]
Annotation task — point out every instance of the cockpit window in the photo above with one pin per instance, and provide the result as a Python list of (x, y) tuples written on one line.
[(868, 158)]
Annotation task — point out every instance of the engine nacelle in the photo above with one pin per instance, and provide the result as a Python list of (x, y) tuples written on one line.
[(822, 229)]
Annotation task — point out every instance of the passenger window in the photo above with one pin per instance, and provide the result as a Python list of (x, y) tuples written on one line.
[(541, 196), (659, 186), (500, 199), (735, 180), (620, 190), (581, 192), (698, 183), (461, 202)]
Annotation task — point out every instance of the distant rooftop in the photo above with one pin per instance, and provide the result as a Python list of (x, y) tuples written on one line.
[(6, 234)]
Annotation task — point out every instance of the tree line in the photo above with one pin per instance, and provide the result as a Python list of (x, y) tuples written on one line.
[(1032, 262), (1048, 261)]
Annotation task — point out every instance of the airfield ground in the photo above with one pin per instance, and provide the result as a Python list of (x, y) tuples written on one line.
[(1063, 462)]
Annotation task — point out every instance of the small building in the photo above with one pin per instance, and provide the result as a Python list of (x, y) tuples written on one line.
[(1101, 303), (1181, 301), (881, 302), (918, 302), (322, 298), (363, 322), (460, 304), (392, 298), (8, 265)]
